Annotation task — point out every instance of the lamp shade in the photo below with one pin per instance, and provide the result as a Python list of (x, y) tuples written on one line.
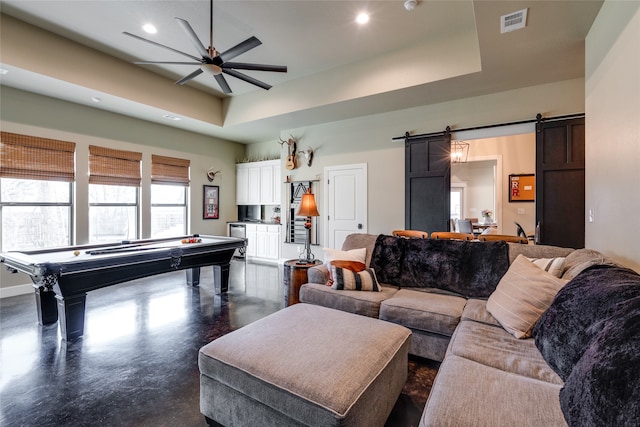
[(308, 205)]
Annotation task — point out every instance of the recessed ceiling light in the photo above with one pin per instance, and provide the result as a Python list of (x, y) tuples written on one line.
[(96, 99), (362, 18), (3, 71), (149, 28), (170, 117)]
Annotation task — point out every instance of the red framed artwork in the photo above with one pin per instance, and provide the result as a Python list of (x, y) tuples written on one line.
[(211, 202)]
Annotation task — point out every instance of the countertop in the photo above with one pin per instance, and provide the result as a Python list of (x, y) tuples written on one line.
[(265, 222)]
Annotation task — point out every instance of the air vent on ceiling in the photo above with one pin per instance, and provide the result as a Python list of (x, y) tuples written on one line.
[(513, 21)]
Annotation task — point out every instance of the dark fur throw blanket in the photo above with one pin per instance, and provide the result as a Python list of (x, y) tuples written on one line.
[(590, 336), (470, 269)]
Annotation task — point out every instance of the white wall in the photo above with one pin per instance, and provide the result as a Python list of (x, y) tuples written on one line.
[(36, 115), (612, 79), (369, 140)]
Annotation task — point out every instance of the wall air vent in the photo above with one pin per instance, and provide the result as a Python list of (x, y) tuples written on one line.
[(513, 21)]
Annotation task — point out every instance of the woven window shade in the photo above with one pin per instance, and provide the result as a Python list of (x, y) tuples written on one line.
[(114, 167), (30, 157), (169, 170)]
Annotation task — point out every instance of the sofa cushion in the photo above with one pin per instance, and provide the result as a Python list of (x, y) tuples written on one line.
[(476, 310), (522, 295), (471, 269), (423, 311), (603, 388), (347, 279), (580, 260), (363, 303), (467, 393), (537, 251), (579, 311), (493, 346)]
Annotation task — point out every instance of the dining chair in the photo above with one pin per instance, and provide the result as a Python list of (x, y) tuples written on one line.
[(451, 236), (464, 226), (506, 238), (411, 234), (522, 233)]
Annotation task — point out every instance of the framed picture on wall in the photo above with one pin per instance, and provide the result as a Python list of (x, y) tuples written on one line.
[(211, 202), (522, 187)]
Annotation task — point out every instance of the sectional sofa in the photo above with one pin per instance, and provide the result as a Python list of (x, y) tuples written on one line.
[(528, 335)]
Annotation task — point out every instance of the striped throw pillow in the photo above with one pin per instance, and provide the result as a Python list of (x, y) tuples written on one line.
[(553, 266), (345, 279)]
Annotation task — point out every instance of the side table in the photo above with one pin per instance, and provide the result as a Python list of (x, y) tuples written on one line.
[(295, 275)]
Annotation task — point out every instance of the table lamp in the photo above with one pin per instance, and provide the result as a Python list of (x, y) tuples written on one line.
[(307, 208)]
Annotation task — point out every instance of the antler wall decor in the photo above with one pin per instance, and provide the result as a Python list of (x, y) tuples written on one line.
[(211, 174), (308, 155)]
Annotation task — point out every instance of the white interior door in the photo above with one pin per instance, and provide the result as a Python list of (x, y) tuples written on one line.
[(346, 202)]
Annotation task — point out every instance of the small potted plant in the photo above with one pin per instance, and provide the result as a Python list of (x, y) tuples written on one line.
[(486, 216)]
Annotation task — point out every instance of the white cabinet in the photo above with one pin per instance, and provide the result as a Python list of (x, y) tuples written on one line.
[(258, 183), (242, 185), (252, 233), (267, 241)]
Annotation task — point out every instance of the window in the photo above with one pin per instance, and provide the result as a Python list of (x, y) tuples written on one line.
[(168, 210), (169, 196), (36, 192), (35, 214), (113, 213), (114, 181)]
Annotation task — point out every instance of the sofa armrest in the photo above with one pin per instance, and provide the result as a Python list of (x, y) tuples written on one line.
[(318, 274)]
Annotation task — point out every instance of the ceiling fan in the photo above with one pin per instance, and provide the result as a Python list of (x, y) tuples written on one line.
[(214, 62)]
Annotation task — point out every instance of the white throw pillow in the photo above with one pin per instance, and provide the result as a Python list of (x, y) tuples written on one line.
[(358, 255), (554, 266), (523, 294)]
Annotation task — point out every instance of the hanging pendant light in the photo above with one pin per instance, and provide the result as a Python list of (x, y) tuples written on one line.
[(459, 151)]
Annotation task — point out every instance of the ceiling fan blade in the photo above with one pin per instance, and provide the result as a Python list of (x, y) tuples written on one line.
[(193, 38), (246, 78), (223, 83), (185, 79), (167, 62), (240, 48), (160, 45), (257, 67)]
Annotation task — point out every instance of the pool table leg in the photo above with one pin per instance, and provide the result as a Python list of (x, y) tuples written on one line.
[(193, 276), (71, 315), (46, 305), (221, 278)]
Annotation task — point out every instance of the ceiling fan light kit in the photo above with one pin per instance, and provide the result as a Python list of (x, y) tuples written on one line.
[(214, 63)]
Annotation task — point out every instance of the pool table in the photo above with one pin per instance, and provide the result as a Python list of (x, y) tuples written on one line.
[(63, 276)]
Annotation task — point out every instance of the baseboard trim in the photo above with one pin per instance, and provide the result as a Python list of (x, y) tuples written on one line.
[(13, 291)]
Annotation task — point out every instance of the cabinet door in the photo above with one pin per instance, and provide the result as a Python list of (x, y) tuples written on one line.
[(254, 186), (266, 185), (251, 240), (242, 185), (273, 243), (261, 241), (277, 184)]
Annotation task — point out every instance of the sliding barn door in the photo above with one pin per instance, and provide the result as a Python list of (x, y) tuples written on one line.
[(428, 183), (560, 205)]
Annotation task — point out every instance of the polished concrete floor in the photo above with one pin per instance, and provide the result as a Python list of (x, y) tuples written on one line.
[(136, 365)]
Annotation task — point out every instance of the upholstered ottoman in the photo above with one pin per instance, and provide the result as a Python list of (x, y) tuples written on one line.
[(305, 365)]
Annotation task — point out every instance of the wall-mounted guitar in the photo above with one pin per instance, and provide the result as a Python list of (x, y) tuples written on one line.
[(291, 153)]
